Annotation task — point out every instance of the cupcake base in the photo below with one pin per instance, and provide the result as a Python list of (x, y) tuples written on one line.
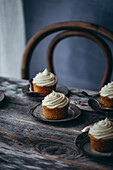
[(43, 90), (56, 113), (101, 145), (105, 101)]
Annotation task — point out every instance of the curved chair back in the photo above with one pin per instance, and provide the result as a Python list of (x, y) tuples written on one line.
[(74, 28)]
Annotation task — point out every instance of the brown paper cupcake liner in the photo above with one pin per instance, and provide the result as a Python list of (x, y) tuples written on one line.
[(56, 113), (43, 90), (101, 145)]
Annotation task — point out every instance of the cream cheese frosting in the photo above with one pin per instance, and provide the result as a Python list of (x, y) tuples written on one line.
[(45, 78), (107, 90), (55, 100), (102, 129)]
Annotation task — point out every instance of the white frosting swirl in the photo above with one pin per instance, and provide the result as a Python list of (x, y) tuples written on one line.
[(102, 129), (45, 78), (107, 90), (55, 100)]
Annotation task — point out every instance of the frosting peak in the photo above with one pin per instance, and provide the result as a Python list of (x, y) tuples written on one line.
[(45, 78), (107, 90), (102, 129), (55, 99), (45, 72)]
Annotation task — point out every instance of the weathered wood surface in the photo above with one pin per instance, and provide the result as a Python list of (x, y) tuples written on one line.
[(26, 143)]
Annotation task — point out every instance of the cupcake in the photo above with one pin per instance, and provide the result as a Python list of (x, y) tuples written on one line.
[(55, 106), (44, 82), (101, 136), (106, 95)]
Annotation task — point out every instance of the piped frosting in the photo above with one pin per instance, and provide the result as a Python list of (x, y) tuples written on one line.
[(55, 100), (102, 129), (107, 90), (45, 78)]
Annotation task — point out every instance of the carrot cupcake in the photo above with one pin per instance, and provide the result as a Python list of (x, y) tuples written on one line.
[(55, 106), (101, 136), (106, 95), (44, 82)]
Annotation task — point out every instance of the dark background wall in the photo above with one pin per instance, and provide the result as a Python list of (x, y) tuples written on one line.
[(79, 61)]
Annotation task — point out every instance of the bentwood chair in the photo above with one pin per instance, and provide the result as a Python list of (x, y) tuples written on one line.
[(91, 31)]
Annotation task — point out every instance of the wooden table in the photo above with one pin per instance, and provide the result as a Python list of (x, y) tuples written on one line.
[(26, 143)]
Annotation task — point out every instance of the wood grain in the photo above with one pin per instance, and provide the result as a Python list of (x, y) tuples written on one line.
[(26, 143)]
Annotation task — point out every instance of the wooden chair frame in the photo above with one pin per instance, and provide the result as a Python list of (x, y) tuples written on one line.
[(91, 36), (70, 28)]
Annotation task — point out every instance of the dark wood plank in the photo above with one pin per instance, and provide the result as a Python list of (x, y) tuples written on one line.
[(30, 144), (40, 139), (24, 160)]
